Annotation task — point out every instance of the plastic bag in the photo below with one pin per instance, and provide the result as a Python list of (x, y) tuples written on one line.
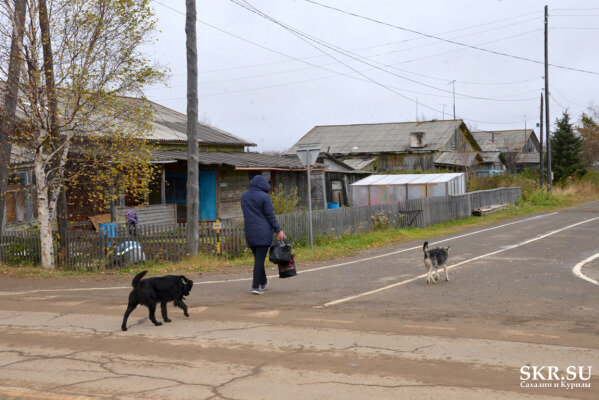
[(288, 270), (280, 252)]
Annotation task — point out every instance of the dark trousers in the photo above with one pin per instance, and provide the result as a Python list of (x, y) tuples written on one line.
[(259, 272)]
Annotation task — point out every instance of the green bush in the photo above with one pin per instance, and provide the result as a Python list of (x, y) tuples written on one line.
[(285, 202), (380, 221)]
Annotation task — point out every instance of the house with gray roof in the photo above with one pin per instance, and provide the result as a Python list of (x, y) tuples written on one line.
[(512, 150), (225, 162), (407, 146)]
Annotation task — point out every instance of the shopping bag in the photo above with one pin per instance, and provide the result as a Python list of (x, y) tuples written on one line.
[(288, 270), (280, 252)]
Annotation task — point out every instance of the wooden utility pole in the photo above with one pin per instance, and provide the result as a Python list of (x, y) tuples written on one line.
[(547, 126), (8, 120), (453, 89), (541, 166), (193, 155)]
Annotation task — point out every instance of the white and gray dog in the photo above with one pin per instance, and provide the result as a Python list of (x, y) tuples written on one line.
[(435, 258)]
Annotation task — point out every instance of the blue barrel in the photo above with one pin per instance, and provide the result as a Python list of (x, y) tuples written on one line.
[(108, 228), (332, 206)]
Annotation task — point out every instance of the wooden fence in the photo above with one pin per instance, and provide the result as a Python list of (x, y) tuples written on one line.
[(417, 213), (118, 247), (168, 242)]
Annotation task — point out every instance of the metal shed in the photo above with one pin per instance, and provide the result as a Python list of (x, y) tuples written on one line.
[(389, 189)]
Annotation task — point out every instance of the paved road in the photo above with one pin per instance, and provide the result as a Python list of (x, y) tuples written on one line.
[(366, 327)]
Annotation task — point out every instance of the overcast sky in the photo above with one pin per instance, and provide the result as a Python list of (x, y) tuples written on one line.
[(377, 73)]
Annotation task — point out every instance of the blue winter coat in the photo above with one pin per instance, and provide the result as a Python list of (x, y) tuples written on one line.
[(258, 213)]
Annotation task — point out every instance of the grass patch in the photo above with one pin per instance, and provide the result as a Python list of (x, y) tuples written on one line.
[(534, 200)]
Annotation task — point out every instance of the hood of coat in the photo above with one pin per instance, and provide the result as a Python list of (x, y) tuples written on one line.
[(260, 183)]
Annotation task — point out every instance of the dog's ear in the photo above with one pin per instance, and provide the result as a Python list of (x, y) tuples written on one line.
[(447, 248)]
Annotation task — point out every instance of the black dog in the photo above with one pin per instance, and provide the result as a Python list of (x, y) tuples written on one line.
[(151, 291)]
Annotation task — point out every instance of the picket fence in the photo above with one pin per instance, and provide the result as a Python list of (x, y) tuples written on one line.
[(168, 242), (418, 213), (107, 250)]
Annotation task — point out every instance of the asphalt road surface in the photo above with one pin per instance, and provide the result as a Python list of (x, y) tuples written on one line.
[(365, 327)]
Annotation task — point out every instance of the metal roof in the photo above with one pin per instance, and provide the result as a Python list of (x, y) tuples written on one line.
[(171, 126), (528, 158), (461, 158), (379, 138), (241, 160), (510, 140), (359, 163), (490, 156), (409, 179)]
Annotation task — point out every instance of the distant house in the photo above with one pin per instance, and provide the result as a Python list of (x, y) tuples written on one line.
[(514, 150), (406, 146), (226, 170)]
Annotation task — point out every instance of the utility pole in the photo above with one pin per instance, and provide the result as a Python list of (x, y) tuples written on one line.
[(193, 155), (443, 111), (541, 166), (7, 124), (453, 84), (416, 108), (547, 126)]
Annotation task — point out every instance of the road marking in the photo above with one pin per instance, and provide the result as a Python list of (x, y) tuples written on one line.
[(383, 255), (334, 321), (299, 272), (439, 328), (265, 314), (521, 333), (510, 247), (577, 270)]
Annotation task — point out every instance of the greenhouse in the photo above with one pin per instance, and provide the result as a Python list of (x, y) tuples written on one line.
[(389, 189)]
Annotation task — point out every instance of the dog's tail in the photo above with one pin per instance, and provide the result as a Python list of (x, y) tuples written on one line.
[(135, 282), (425, 247)]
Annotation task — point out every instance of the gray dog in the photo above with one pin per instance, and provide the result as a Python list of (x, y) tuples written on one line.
[(435, 258)]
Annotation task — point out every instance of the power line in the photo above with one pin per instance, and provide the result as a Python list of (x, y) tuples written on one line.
[(304, 38), (449, 40), (564, 97), (462, 95), (369, 47), (346, 53), (305, 62), (557, 102)]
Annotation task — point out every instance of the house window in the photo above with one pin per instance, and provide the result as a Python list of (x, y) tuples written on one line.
[(176, 188)]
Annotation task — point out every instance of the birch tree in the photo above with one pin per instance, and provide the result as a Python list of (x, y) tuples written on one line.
[(81, 57)]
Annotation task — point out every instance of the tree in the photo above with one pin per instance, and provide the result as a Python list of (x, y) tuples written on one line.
[(566, 150), (13, 76), (589, 131), (81, 58)]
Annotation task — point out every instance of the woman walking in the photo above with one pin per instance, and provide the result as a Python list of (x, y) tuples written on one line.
[(260, 223)]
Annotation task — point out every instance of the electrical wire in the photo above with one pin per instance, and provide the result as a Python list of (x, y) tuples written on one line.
[(369, 47), (461, 95), (303, 35), (305, 62), (449, 40)]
